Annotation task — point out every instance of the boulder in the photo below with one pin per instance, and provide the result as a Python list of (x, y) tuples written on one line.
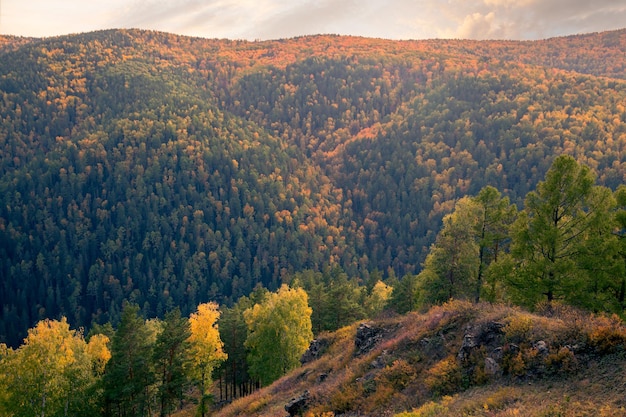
[(315, 350), (296, 406), (491, 367), (366, 338)]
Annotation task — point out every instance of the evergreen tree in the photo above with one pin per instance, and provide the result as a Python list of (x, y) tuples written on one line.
[(129, 377), (620, 233), (405, 294), (343, 300), (553, 247), (492, 230), (171, 351)]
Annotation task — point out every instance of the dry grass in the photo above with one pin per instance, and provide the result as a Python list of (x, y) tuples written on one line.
[(579, 372)]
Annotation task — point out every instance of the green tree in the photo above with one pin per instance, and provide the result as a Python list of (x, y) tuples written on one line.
[(279, 332), (315, 286), (553, 246), (405, 295), (206, 347), (617, 288), (377, 299), (620, 218), (233, 332), (495, 217), (343, 300), (451, 267), (129, 377), (170, 353)]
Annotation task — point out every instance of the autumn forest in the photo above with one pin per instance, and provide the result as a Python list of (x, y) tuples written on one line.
[(149, 176)]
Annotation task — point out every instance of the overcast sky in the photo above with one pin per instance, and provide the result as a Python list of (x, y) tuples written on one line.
[(273, 19)]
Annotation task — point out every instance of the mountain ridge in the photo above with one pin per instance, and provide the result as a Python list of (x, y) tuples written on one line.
[(168, 170)]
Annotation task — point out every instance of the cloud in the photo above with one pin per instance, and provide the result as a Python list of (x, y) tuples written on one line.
[(530, 19), (271, 19), (222, 18), (478, 26)]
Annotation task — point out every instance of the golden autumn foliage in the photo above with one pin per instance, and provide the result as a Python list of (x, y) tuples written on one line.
[(53, 370), (206, 346), (171, 170)]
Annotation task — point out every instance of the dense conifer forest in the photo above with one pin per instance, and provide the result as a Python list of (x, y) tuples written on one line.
[(179, 217), (171, 171)]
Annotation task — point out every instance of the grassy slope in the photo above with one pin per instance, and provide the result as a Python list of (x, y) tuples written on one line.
[(416, 366)]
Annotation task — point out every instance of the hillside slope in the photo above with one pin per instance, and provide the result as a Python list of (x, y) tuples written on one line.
[(458, 360), (167, 170)]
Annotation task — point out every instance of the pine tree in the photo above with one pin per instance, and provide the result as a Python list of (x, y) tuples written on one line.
[(554, 245), (129, 377), (171, 350)]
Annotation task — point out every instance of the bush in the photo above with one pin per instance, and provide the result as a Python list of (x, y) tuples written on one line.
[(398, 375), (346, 398), (445, 377), (608, 334), (518, 329), (563, 360), (514, 364), (497, 401), (429, 409)]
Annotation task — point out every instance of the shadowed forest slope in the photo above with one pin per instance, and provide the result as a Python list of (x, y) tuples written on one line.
[(169, 170)]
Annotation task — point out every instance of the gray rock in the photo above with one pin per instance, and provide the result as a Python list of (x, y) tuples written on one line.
[(541, 347), (315, 350), (297, 405), (366, 338), (491, 367)]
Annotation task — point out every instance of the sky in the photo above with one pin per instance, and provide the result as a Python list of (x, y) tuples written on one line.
[(275, 19)]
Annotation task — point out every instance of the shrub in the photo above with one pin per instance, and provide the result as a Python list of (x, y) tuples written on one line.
[(398, 375), (346, 398), (518, 329), (497, 401), (445, 377), (563, 360), (429, 409), (514, 364), (608, 334), (501, 399), (322, 414), (257, 404)]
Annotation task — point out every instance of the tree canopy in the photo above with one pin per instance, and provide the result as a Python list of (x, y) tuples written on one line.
[(279, 332)]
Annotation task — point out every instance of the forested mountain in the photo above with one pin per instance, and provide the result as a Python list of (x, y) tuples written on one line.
[(169, 171)]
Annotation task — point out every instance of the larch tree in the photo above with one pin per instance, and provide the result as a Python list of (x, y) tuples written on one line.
[(376, 301), (555, 247), (279, 332)]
